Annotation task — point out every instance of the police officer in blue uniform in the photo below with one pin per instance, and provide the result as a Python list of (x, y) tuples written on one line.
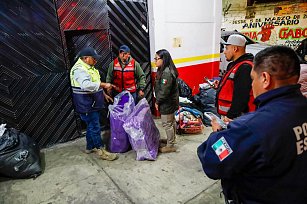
[(262, 156)]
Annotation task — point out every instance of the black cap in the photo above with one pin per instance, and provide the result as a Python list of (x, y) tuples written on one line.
[(124, 48), (89, 51)]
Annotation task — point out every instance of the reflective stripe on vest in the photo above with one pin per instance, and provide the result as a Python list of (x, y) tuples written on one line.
[(124, 78), (224, 108), (77, 90), (86, 101), (225, 93)]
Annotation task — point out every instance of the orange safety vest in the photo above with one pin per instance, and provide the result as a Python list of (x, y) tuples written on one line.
[(124, 78), (224, 98)]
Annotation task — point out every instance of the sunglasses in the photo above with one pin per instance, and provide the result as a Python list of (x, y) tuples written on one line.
[(156, 58)]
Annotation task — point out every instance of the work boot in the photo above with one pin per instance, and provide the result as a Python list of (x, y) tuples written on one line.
[(88, 151), (167, 149), (105, 155), (164, 141)]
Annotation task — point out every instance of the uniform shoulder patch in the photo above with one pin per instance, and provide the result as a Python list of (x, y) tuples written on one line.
[(222, 148)]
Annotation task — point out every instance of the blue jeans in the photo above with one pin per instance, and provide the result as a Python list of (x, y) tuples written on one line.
[(93, 137)]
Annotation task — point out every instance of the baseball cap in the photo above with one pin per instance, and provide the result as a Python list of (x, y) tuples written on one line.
[(89, 51), (237, 40), (124, 48)]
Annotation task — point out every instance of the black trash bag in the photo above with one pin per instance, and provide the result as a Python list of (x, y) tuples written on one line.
[(184, 89), (205, 100), (19, 155)]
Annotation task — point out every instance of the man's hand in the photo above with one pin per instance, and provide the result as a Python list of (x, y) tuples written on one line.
[(107, 85), (216, 83), (226, 119), (108, 98), (156, 106), (215, 125), (109, 92), (141, 94)]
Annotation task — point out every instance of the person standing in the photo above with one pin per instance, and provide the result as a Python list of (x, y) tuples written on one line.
[(88, 97), (261, 157), (234, 94), (126, 74), (167, 97), (303, 79)]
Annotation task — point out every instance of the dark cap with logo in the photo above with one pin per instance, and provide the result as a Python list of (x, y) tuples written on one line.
[(89, 51), (124, 48)]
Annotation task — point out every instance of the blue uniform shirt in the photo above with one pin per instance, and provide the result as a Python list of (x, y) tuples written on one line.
[(262, 156)]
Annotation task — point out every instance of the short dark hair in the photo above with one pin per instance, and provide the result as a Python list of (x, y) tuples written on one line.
[(280, 61)]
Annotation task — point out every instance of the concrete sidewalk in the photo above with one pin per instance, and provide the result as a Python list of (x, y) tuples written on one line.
[(71, 176)]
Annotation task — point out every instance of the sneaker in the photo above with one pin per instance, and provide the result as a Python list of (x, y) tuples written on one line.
[(105, 155), (88, 151), (167, 149)]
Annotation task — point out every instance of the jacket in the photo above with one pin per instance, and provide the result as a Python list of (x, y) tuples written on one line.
[(241, 87), (167, 93), (86, 93), (226, 91), (261, 157), (139, 75)]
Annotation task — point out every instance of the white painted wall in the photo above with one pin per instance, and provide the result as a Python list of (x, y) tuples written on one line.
[(197, 23)]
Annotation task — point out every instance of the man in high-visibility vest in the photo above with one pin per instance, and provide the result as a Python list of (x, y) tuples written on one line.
[(88, 97), (126, 74), (234, 94)]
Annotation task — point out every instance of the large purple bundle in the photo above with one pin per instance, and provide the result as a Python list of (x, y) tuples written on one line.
[(143, 134), (119, 111)]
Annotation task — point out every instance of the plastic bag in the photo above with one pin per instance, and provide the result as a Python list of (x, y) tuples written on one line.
[(122, 107), (143, 134), (184, 89), (205, 100), (2, 129), (19, 155)]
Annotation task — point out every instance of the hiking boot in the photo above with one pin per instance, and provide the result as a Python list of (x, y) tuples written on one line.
[(88, 151), (164, 141), (105, 155), (167, 149), (162, 144)]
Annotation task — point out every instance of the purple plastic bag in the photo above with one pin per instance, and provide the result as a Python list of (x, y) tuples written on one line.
[(119, 111), (143, 134)]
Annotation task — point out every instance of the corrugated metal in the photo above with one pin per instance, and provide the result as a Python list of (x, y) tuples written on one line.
[(85, 23), (34, 86), (129, 25)]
